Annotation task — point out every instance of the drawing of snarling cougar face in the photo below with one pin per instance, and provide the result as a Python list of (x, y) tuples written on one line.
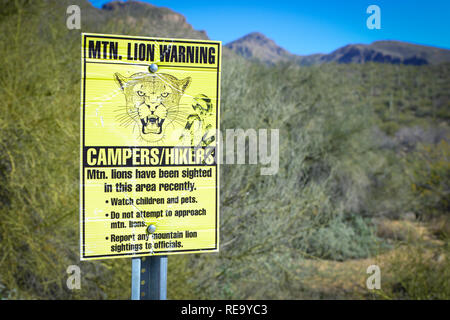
[(152, 101)]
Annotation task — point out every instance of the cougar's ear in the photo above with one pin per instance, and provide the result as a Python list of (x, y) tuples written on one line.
[(120, 80), (184, 83)]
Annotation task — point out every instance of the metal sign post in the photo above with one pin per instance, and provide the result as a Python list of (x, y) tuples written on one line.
[(139, 173), (149, 278)]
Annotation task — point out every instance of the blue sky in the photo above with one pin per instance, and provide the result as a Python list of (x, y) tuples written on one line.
[(305, 27)]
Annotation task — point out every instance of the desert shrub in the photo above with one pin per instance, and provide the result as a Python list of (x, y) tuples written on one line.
[(341, 240), (430, 177), (418, 272)]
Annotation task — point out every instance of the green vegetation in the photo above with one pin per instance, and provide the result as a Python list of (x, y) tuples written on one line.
[(360, 147)]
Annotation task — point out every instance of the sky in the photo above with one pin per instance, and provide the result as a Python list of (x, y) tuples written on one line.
[(306, 27)]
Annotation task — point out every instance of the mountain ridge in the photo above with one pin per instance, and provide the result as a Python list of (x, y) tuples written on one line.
[(256, 46)]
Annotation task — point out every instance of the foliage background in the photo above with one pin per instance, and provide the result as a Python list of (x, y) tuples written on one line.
[(363, 179)]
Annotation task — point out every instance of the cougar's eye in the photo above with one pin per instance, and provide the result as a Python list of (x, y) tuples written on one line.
[(164, 94), (140, 93)]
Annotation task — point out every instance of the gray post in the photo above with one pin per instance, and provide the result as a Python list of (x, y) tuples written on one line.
[(135, 278), (149, 278)]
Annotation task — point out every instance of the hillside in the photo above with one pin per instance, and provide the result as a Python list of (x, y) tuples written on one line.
[(256, 46), (150, 20), (122, 16), (395, 52)]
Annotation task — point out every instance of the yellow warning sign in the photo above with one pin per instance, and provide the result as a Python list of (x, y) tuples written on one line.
[(149, 171)]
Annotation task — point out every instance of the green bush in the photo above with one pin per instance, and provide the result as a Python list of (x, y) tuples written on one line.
[(341, 240), (430, 175), (419, 273)]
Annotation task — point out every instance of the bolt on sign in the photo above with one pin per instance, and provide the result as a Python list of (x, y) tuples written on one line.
[(148, 169)]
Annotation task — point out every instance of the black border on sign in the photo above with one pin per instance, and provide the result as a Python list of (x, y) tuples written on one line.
[(85, 36)]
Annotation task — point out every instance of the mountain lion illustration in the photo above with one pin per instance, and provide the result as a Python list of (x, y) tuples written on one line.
[(152, 101)]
